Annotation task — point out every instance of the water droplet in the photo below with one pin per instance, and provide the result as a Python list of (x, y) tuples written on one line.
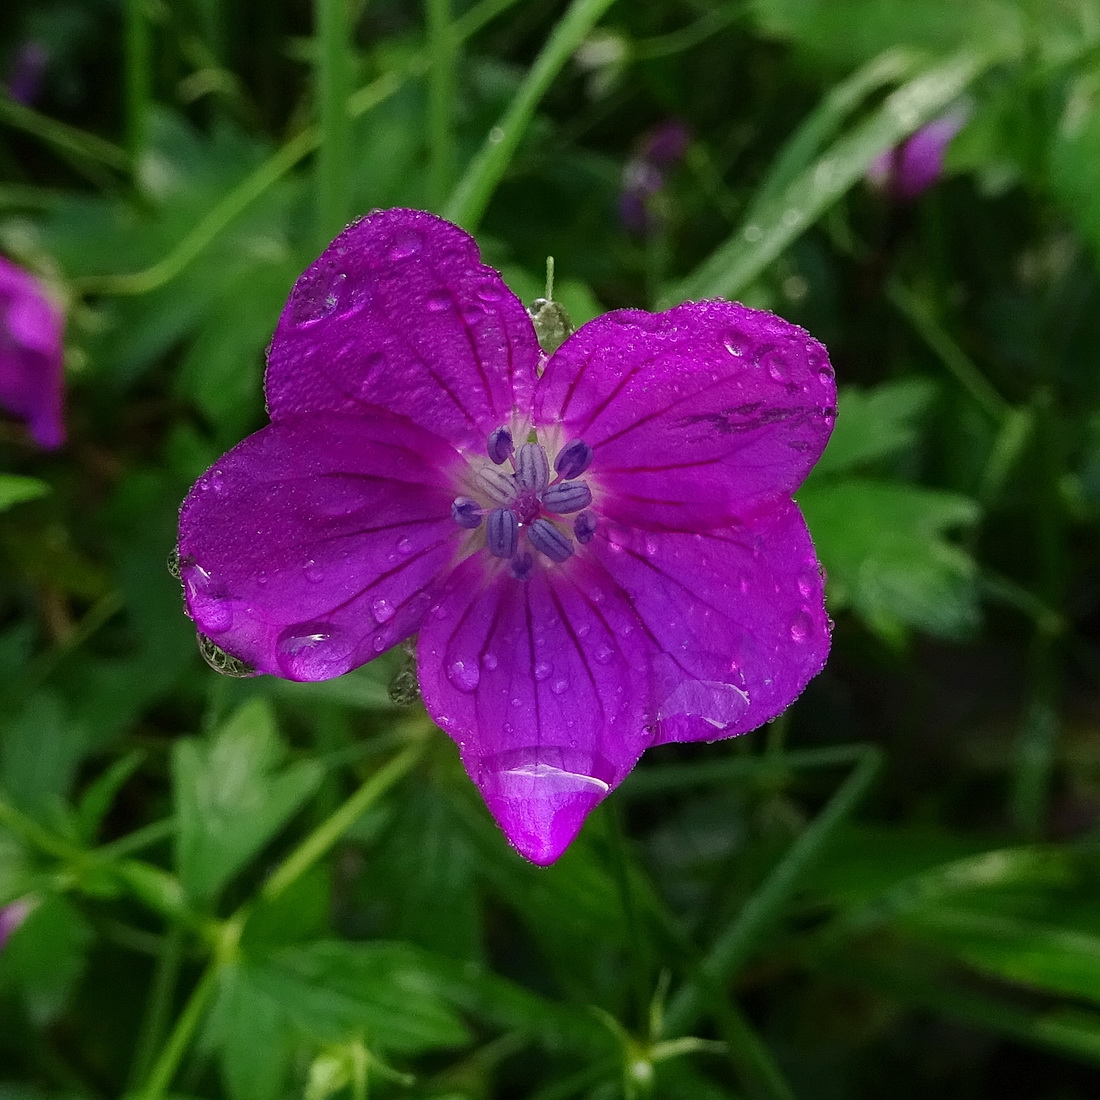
[(603, 653), (792, 218), (437, 303), (407, 243), (559, 687), (542, 671), (583, 630), (496, 135), (404, 546), (313, 572), (651, 546), (736, 343), (752, 233), (465, 675), (490, 662), (382, 609), (207, 601), (379, 643), (802, 627), (313, 651), (489, 291)]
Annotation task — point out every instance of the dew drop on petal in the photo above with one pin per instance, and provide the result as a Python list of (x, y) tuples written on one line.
[(802, 627), (404, 546), (407, 244), (381, 609), (559, 687), (207, 602), (736, 343), (603, 653), (489, 291), (313, 651), (313, 572), (490, 662), (465, 675), (543, 670), (438, 302)]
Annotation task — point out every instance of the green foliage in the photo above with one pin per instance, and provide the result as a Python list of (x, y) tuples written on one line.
[(258, 889)]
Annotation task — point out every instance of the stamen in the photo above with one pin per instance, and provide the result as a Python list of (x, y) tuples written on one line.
[(567, 497), (573, 459), (502, 533), (584, 527), (498, 486), (500, 445), (466, 513), (548, 540), (532, 467), (522, 566)]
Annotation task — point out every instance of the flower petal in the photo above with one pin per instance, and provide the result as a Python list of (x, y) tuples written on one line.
[(735, 619), (696, 416), (400, 313), (315, 544), (537, 682)]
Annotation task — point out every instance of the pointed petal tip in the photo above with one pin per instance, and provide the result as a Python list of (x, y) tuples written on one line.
[(540, 808)]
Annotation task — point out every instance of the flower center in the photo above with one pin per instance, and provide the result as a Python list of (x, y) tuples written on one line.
[(524, 508)]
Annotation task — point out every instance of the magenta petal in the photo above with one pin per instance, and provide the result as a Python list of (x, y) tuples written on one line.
[(399, 312), (736, 619), (537, 681), (314, 545), (696, 416)]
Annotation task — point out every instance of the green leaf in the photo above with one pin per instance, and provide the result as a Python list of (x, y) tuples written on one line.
[(874, 424), (15, 489), (885, 548), (779, 221), (45, 957), (1074, 154), (231, 798)]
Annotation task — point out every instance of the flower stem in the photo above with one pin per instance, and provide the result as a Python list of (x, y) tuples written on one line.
[(139, 80), (471, 196), (732, 948), (441, 97), (333, 83)]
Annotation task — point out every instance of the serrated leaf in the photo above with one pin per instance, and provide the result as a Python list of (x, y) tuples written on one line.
[(886, 551), (231, 798), (874, 424)]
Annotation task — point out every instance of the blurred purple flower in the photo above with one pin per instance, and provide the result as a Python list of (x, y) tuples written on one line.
[(909, 169), (598, 549), (644, 173), (25, 77), (31, 355), (12, 916)]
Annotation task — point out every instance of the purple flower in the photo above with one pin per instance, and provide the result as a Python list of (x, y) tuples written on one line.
[(909, 169), (644, 174), (598, 549), (25, 77), (31, 355), (11, 917)]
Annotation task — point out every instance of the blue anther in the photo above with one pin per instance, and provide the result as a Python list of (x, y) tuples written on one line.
[(573, 459), (502, 532), (548, 540), (500, 445), (466, 513), (584, 527), (567, 497), (532, 467), (522, 566)]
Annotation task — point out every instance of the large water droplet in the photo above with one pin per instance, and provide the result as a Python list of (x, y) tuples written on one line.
[(465, 675), (381, 609), (407, 243), (313, 651), (736, 343), (489, 291), (718, 704), (208, 602), (802, 627)]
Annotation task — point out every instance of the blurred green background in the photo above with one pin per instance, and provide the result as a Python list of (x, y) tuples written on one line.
[(254, 889)]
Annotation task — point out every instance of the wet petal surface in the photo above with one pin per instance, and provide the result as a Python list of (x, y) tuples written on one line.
[(315, 544), (537, 681), (695, 416), (734, 620), (399, 312)]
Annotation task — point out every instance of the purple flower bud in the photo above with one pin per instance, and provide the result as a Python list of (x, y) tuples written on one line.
[(584, 527), (31, 355), (502, 532), (25, 77), (532, 467), (466, 513), (500, 445), (573, 459), (911, 168), (567, 497), (666, 143), (548, 540), (11, 917)]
